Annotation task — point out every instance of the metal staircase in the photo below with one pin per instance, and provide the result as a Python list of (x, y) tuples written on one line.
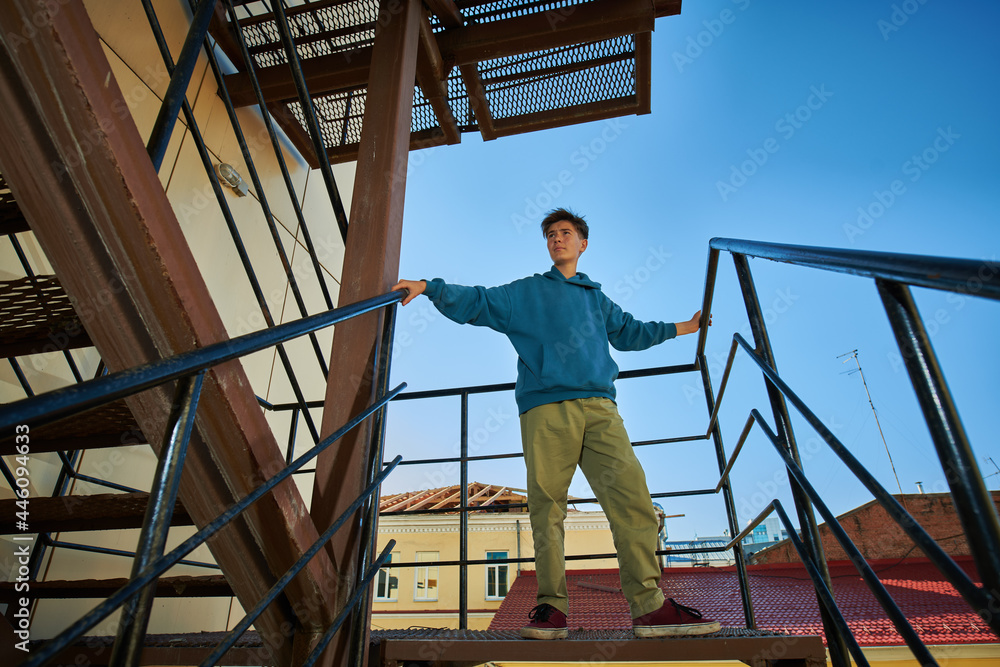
[(104, 220)]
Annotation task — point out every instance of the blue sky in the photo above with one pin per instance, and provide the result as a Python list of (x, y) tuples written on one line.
[(866, 125)]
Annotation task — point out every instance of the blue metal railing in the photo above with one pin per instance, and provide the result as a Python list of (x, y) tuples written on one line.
[(893, 274), (930, 272), (189, 368)]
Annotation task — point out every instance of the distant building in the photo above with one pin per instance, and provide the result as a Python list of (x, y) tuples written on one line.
[(427, 594), (878, 536)]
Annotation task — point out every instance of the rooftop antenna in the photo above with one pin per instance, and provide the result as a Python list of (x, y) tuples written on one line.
[(992, 474), (853, 354)]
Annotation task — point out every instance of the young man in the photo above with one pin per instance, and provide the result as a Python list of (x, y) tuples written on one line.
[(560, 324)]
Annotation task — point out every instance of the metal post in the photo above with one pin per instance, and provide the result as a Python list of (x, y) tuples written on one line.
[(292, 432), (727, 494), (309, 112), (362, 613), (463, 529), (783, 427), (973, 503), (156, 525), (279, 154), (177, 88)]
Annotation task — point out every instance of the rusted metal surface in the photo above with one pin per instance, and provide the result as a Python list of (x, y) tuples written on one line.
[(431, 76), (540, 31), (439, 646), (643, 73), (184, 649), (473, 647), (111, 425), (36, 316), (104, 511), (562, 61), (174, 587), (371, 267), (12, 221), (479, 103), (83, 179), (544, 120)]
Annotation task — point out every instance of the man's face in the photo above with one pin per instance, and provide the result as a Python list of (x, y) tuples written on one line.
[(564, 242)]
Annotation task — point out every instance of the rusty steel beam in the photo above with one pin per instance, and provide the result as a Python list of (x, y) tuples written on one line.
[(324, 74), (666, 7), (544, 120), (643, 73), (81, 174), (466, 46), (418, 140), (590, 22), (104, 511), (371, 267), (431, 76), (457, 647), (98, 654), (295, 132), (213, 585), (478, 101), (446, 11)]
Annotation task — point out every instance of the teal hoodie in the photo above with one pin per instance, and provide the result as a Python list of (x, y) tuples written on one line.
[(560, 329)]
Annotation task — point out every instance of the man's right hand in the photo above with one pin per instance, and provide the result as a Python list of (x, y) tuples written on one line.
[(414, 287)]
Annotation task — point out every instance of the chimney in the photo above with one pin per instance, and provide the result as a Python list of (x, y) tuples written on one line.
[(920, 487)]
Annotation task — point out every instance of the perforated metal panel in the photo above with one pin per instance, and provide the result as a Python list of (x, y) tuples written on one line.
[(516, 87), (560, 78), (36, 316), (318, 29)]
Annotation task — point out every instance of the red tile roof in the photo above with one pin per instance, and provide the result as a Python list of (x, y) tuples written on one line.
[(783, 599)]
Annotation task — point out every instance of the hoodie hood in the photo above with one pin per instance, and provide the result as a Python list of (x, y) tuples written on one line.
[(579, 279)]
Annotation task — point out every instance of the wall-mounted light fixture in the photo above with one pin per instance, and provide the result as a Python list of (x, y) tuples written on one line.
[(229, 176)]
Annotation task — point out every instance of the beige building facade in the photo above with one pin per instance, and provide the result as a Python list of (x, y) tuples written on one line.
[(427, 595)]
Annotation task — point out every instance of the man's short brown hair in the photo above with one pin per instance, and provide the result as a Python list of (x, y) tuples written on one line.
[(560, 214)]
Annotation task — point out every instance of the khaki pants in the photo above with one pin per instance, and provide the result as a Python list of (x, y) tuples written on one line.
[(589, 432)]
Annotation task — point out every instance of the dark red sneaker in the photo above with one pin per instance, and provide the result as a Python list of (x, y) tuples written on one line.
[(673, 620), (547, 622)]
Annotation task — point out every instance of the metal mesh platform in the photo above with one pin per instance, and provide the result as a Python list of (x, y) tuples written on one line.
[(110, 425), (519, 82), (435, 646), (36, 316), (439, 646), (12, 220)]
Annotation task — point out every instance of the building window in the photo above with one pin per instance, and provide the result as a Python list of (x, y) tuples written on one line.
[(387, 582), (496, 576), (426, 585)]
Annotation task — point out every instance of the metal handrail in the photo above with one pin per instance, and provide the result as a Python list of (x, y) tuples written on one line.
[(150, 562), (976, 597), (93, 393), (871, 579), (943, 273)]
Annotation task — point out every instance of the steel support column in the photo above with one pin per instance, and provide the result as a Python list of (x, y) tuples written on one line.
[(371, 266)]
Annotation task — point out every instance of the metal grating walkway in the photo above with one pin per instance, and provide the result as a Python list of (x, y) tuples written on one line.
[(470, 647)]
